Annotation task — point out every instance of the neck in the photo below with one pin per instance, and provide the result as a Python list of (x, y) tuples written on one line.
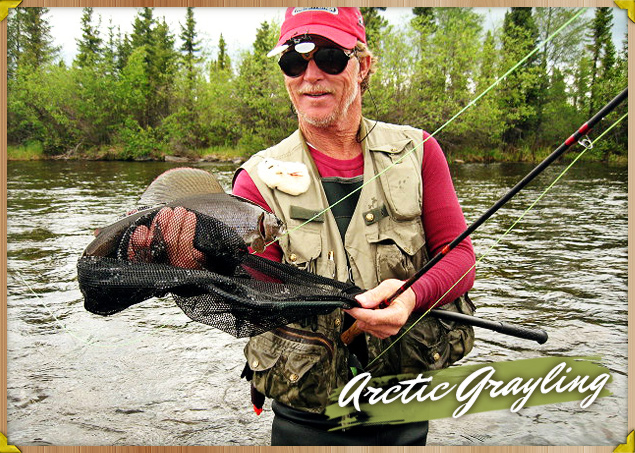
[(338, 140)]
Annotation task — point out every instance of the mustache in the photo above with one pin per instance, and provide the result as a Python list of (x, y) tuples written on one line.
[(315, 90)]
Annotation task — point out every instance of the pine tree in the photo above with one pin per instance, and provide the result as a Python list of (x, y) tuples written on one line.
[(601, 39), (190, 46), (142, 28), (263, 106), (37, 49), (89, 46), (14, 38), (110, 60), (556, 55), (520, 90), (222, 63), (162, 70), (374, 23), (424, 18)]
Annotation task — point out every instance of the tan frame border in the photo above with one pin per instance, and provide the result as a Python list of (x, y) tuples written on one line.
[(263, 3)]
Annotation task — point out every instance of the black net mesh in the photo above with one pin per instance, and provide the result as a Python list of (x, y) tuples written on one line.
[(234, 291)]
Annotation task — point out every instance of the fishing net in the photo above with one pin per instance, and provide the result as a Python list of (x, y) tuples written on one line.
[(234, 291)]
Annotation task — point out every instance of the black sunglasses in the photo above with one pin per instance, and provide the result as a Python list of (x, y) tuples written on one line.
[(331, 60)]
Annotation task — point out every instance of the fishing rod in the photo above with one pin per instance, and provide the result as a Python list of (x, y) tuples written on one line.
[(348, 336), (505, 328)]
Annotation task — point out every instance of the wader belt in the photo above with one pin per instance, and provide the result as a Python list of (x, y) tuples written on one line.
[(336, 188), (293, 427)]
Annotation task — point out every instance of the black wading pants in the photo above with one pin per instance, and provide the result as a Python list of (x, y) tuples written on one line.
[(293, 427)]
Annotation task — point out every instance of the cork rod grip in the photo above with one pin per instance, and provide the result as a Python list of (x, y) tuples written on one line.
[(353, 331), (349, 335)]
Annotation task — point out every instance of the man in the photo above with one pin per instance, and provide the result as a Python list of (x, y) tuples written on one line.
[(377, 237)]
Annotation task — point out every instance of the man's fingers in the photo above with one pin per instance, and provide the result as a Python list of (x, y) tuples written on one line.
[(176, 228), (374, 297), (138, 240), (161, 223), (188, 257), (139, 237)]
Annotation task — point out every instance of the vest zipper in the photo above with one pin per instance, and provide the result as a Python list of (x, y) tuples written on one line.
[(302, 336)]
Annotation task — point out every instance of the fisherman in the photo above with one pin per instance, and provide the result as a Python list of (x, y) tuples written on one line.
[(376, 237)]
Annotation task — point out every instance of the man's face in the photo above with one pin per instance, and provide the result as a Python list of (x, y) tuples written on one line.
[(323, 99)]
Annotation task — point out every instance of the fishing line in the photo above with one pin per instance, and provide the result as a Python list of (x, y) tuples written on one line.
[(586, 145), (443, 126), (87, 341)]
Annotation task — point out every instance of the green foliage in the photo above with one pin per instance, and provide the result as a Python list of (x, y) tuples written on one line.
[(263, 105), (140, 143), (140, 96), (90, 45), (374, 24), (36, 42)]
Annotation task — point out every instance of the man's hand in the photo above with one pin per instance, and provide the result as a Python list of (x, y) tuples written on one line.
[(177, 228), (387, 321)]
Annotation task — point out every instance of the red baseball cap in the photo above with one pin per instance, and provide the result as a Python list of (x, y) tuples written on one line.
[(343, 26)]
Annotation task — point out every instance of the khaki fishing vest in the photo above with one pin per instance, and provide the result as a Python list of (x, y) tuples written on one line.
[(300, 364)]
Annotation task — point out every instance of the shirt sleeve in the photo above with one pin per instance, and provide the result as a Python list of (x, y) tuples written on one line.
[(443, 221), (245, 187)]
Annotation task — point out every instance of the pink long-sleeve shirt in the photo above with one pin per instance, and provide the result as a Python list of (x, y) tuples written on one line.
[(441, 215)]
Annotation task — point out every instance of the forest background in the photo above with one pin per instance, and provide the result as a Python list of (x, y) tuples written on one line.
[(142, 96)]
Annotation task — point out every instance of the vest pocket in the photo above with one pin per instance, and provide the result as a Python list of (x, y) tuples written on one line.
[(400, 249), (434, 343), (402, 181), (291, 366), (426, 347), (303, 249)]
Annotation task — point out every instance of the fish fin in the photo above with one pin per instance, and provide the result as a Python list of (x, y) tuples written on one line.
[(258, 245), (179, 183)]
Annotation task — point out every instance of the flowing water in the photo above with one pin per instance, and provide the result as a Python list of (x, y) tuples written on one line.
[(150, 376)]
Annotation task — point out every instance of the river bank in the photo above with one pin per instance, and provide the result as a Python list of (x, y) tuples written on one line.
[(237, 156)]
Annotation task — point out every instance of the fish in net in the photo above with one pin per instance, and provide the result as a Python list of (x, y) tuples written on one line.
[(217, 281)]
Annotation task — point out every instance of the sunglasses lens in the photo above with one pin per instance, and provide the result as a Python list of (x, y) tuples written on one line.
[(330, 60), (293, 64)]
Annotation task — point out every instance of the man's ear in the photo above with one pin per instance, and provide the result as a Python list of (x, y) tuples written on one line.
[(364, 67)]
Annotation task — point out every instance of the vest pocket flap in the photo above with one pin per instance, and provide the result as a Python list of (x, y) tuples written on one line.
[(260, 356), (408, 236), (291, 372), (301, 213), (393, 147), (304, 246)]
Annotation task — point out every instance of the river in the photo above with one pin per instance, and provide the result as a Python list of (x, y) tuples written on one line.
[(151, 376)]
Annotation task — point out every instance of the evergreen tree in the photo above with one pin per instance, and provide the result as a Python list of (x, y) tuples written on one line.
[(600, 36), (110, 60), (142, 28), (392, 83), (374, 23), (90, 45), (190, 46), (556, 55), (263, 104), (37, 49), (123, 50), (223, 62), (520, 90), (14, 37), (162, 71), (424, 18), (487, 113)]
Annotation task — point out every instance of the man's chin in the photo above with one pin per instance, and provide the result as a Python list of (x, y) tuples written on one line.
[(319, 121)]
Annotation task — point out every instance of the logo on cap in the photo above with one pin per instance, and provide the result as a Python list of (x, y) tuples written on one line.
[(314, 8)]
